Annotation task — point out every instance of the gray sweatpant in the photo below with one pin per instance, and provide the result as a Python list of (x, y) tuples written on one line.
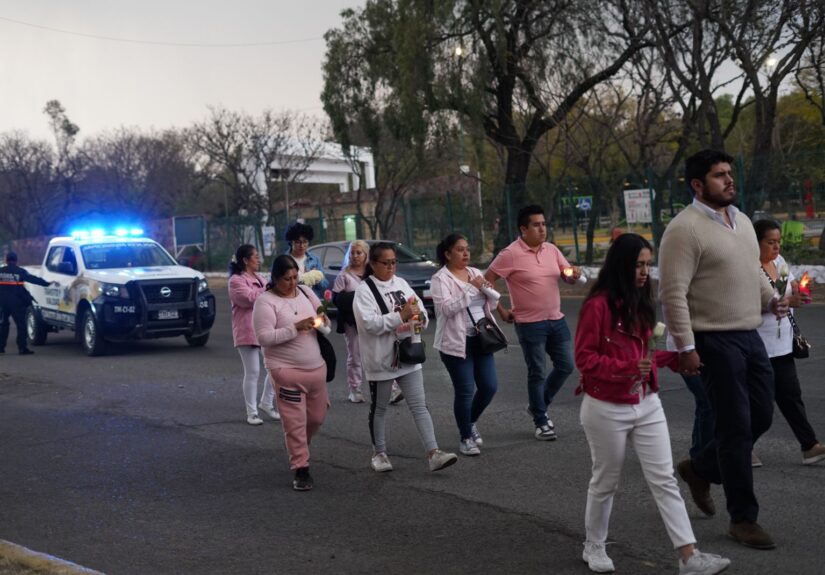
[(412, 384)]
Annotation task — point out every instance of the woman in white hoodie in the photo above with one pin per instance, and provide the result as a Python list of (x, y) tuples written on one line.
[(377, 336), (462, 297)]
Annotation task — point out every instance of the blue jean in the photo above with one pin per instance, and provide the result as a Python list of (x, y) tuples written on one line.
[(475, 383), (702, 416), (551, 337)]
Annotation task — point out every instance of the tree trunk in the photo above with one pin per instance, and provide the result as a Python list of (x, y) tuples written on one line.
[(515, 194)]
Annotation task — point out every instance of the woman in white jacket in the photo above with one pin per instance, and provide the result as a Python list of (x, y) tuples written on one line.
[(377, 334), (462, 297)]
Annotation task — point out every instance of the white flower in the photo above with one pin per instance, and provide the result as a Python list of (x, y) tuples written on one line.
[(659, 330), (312, 277)]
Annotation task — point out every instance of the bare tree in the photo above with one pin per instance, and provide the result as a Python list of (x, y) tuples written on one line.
[(28, 194)]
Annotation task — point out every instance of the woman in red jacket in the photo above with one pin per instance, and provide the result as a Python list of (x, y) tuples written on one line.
[(615, 353)]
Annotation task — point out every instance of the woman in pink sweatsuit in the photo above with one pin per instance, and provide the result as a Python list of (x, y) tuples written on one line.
[(284, 318)]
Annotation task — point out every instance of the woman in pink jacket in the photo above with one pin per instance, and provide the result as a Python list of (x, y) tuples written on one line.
[(245, 285), (462, 297), (614, 352)]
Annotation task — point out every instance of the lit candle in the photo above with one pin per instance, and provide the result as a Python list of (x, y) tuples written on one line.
[(317, 322), (803, 285), (568, 272)]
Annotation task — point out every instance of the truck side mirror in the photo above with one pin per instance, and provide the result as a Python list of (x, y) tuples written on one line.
[(67, 268)]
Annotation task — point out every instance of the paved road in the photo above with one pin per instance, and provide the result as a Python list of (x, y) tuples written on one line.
[(141, 462)]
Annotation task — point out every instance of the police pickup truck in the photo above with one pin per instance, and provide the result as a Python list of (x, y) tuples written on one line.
[(117, 287)]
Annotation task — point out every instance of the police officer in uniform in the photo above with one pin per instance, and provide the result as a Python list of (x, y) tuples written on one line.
[(14, 300)]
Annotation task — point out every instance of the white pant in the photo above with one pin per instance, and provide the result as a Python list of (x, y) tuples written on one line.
[(609, 428), (251, 358)]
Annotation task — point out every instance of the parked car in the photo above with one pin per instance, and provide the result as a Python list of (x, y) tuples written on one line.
[(416, 269)]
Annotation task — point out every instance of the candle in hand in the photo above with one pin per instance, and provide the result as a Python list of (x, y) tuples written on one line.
[(568, 272), (317, 322), (804, 285)]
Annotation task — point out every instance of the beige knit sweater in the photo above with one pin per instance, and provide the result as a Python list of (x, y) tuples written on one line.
[(709, 278)]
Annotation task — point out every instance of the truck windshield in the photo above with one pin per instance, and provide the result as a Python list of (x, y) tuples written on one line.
[(125, 255)]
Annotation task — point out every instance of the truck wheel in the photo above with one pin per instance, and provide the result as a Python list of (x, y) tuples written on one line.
[(92, 340), (197, 340), (36, 328)]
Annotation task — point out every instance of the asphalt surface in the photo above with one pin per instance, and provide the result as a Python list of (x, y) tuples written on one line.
[(141, 462)]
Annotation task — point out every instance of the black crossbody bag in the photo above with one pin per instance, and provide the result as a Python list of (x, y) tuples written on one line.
[(490, 338), (327, 351), (406, 351)]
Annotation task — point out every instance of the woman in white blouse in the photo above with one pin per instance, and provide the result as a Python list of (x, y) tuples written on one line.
[(778, 338)]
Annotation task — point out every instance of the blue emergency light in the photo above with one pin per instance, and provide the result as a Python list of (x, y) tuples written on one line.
[(121, 232)]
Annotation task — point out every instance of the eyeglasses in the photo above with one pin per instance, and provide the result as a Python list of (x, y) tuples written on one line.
[(301, 242), (387, 263)]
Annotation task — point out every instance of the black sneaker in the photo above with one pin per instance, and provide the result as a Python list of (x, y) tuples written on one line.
[(303, 480), (26, 352)]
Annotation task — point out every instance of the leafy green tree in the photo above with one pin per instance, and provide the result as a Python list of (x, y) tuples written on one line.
[(514, 67)]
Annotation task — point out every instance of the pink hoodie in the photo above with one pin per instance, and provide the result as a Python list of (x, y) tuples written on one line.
[(451, 299), (244, 289)]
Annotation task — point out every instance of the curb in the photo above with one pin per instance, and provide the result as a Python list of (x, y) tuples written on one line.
[(40, 562)]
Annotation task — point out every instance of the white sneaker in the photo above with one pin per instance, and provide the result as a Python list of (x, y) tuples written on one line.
[(595, 556), (468, 447), (476, 435), (254, 419), (440, 460), (545, 433), (270, 411), (380, 462), (355, 396), (703, 564)]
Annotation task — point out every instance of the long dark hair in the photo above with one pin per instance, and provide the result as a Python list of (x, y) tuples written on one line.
[(237, 265), (628, 303), (446, 245), (280, 265), (376, 249)]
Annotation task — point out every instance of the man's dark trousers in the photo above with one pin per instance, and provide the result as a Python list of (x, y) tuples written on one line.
[(738, 378), (7, 313)]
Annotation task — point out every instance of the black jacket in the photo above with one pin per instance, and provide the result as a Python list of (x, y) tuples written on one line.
[(12, 291)]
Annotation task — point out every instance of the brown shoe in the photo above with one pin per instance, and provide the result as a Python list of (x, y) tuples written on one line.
[(699, 488), (750, 534), (814, 455)]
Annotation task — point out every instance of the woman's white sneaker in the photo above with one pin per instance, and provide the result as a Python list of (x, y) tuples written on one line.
[(355, 396), (595, 556), (468, 447), (439, 460), (380, 462), (254, 419), (703, 564), (476, 435), (270, 411)]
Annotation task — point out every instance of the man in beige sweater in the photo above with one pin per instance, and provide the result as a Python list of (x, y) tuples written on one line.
[(712, 297)]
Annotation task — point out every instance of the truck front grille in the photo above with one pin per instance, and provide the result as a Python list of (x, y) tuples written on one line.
[(160, 292)]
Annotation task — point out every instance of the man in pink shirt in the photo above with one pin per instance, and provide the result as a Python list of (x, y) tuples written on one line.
[(532, 268)]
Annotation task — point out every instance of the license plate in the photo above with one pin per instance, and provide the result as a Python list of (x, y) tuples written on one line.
[(427, 293), (168, 314)]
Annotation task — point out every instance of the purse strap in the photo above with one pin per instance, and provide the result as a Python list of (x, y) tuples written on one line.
[(377, 296), (796, 330)]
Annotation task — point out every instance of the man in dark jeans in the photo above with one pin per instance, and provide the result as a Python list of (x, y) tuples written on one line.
[(712, 297)]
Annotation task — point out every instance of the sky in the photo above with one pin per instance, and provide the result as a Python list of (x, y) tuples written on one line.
[(171, 59)]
